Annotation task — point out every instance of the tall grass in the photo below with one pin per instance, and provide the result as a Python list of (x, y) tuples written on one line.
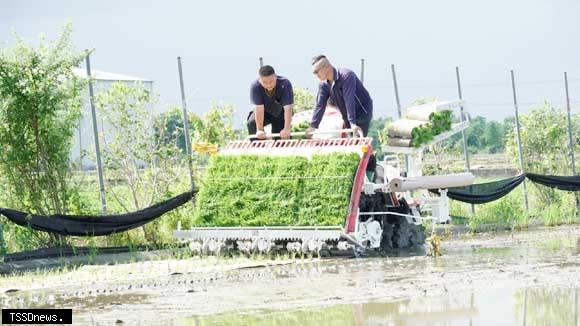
[(509, 212)]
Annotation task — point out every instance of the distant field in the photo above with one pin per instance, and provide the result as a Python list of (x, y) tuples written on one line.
[(482, 165)]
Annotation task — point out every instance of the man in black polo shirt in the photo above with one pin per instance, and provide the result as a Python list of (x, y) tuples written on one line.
[(273, 98)]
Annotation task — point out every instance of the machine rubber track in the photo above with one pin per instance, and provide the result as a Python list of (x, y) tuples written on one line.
[(398, 233)]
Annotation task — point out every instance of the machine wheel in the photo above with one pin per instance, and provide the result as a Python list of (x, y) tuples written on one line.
[(397, 232)]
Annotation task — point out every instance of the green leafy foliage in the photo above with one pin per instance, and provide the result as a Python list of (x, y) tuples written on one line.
[(130, 144), (494, 137), (422, 135), (40, 101), (252, 190), (379, 132), (552, 206), (2, 241), (439, 122), (302, 126), (482, 136), (169, 127), (303, 100), (145, 165), (545, 146), (508, 210), (545, 143), (215, 126)]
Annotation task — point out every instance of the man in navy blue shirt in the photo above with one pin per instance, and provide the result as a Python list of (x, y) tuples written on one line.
[(345, 89), (273, 98)]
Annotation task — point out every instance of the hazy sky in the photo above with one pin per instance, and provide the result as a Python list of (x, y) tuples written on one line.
[(220, 42)]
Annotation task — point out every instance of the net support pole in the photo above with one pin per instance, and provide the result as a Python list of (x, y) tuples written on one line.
[(519, 138), (400, 114), (362, 71), (96, 136), (570, 138), (185, 124), (462, 113)]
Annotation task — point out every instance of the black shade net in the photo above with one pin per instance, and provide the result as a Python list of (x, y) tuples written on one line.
[(568, 183), (487, 192), (483, 192), (93, 225)]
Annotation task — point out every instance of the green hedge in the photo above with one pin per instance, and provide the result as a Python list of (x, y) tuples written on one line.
[(251, 190)]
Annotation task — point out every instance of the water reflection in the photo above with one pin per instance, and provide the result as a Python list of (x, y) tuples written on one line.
[(542, 306), (530, 306), (44, 300)]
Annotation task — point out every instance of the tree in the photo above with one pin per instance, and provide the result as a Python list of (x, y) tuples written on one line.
[(474, 133), (215, 126), (494, 137), (544, 138), (509, 124), (378, 130), (545, 145), (169, 127), (130, 150), (40, 100), (304, 100)]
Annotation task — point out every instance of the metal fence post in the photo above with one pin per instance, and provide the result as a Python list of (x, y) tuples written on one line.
[(519, 139), (572, 156), (465, 152), (185, 124), (80, 143), (362, 71), (96, 135), (396, 91), (2, 242), (400, 114)]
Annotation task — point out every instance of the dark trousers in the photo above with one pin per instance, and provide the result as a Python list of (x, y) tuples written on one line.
[(276, 122)]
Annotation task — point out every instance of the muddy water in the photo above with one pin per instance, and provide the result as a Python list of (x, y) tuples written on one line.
[(528, 278), (506, 306)]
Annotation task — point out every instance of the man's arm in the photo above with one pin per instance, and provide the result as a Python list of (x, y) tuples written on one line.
[(288, 110), (288, 104), (349, 93), (321, 99), (258, 101), (259, 116)]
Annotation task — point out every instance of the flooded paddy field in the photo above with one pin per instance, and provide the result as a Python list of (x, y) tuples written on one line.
[(523, 278)]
